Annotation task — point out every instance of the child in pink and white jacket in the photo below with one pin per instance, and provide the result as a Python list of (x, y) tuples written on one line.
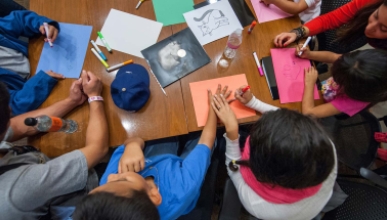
[(287, 167)]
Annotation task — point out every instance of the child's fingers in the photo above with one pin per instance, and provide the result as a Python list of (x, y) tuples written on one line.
[(223, 100), (54, 34), (136, 167), (142, 164), (216, 101), (215, 108), (237, 95), (228, 94), (224, 90), (41, 29), (209, 93), (218, 89), (119, 168)]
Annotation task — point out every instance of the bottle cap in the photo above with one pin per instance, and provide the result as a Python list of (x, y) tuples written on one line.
[(30, 121)]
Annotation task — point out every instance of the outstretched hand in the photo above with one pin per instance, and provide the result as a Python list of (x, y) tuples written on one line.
[(222, 108)]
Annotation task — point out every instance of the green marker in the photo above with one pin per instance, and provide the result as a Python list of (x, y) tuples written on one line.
[(104, 41)]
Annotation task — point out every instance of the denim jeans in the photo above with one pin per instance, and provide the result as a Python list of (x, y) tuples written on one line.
[(7, 6)]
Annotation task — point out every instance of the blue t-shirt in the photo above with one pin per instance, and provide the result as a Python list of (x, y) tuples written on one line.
[(179, 180)]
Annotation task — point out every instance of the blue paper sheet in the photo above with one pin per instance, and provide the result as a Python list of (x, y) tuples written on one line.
[(68, 53)]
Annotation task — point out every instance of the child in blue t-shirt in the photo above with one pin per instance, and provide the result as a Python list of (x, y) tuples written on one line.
[(172, 183), (25, 94)]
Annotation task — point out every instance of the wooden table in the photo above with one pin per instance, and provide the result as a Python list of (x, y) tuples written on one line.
[(162, 116)]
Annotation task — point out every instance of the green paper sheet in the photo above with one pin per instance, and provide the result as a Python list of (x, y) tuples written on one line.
[(170, 12)]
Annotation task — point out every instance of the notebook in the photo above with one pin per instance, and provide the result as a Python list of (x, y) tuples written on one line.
[(267, 66), (175, 57), (200, 97)]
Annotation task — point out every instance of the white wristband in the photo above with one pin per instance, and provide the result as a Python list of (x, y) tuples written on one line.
[(95, 98)]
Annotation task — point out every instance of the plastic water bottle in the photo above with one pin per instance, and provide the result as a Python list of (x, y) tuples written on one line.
[(46, 123), (233, 43)]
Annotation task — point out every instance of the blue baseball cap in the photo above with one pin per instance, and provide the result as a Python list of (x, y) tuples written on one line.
[(130, 89)]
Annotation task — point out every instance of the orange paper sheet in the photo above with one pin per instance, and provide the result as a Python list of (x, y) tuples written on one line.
[(200, 97)]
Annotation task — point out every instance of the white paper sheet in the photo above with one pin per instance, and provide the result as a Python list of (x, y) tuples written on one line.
[(212, 22), (129, 33)]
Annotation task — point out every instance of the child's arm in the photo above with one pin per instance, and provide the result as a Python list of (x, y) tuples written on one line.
[(250, 101), (308, 108), (34, 92), (320, 56), (209, 131), (133, 157), (288, 6), (27, 23), (59, 109)]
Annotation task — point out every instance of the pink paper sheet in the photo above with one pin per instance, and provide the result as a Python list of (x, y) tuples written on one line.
[(200, 97), (268, 13), (289, 74)]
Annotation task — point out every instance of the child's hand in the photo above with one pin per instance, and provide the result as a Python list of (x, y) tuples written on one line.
[(55, 75), (76, 94), (132, 160), (92, 85), (223, 111), (225, 92), (246, 97), (52, 32), (284, 39), (305, 51), (310, 76)]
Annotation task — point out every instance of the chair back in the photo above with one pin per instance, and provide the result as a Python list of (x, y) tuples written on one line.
[(354, 139), (363, 202)]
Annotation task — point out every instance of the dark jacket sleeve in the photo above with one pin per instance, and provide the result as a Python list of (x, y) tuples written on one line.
[(34, 92), (23, 23)]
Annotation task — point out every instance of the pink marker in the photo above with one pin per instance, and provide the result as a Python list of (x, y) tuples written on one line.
[(46, 30), (258, 64)]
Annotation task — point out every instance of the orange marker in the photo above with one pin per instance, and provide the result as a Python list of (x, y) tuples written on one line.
[(119, 65), (252, 27)]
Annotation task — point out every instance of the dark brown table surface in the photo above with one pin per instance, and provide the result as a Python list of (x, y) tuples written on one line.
[(162, 116)]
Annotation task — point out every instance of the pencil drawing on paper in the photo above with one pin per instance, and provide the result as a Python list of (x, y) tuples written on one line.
[(66, 46), (291, 70), (211, 20)]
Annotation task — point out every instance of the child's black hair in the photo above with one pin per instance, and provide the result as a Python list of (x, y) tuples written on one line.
[(104, 205), (289, 149), (362, 75)]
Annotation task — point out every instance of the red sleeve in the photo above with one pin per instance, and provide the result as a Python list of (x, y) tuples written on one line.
[(335, 18)]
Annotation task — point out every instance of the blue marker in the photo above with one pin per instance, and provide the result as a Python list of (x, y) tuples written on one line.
[(98, 50)]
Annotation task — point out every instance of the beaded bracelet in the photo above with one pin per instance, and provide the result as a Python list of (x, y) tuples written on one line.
[(300, 32)]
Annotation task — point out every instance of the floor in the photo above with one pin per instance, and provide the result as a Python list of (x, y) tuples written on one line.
[(378, 110)]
